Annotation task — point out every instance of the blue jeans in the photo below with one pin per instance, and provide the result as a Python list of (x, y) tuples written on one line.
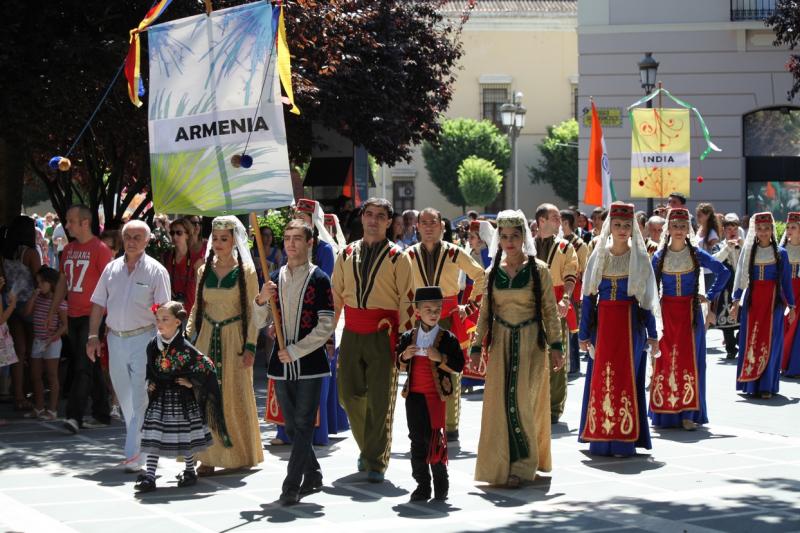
[(299, 400)]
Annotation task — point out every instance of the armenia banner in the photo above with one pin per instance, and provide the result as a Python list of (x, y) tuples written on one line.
[(660, 152), (214, 94)]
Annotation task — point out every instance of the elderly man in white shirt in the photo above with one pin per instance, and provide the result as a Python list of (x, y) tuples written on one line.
[(126, 292)]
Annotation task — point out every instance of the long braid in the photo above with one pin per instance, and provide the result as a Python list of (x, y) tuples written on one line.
[(778, 268), (489, 289), (750, 267), (659, 270), (697, 274), (242, 301), (537, 299), (200, 303)]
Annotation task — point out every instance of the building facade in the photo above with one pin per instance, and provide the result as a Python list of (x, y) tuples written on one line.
[(510, 46), (717, 55)]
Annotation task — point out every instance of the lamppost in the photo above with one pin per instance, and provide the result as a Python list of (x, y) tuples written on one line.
[(512, 115), (648, 70)]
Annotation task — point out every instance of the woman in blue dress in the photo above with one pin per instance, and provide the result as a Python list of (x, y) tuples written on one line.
[(763, 291), (617, 327), (332, 418), (678, 385)]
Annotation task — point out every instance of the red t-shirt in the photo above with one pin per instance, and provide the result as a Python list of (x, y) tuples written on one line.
[(82, 264)]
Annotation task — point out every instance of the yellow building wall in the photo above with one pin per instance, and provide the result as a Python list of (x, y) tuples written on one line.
[(541, 57)]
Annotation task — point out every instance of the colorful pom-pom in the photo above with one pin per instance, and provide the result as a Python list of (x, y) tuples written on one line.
[(64, 164), (53, 164), (247, 161), (699, 179), (641, 183), (236, 161)]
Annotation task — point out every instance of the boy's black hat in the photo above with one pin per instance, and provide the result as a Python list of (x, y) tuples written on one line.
[(428, 294)]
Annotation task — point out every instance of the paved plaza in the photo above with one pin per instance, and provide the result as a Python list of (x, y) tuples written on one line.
[(741, 473)]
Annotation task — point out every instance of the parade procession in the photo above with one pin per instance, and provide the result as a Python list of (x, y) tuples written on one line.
[(303, 264)]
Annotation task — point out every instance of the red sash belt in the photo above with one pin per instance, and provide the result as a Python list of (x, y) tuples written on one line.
[(367, 321), (674, 386), (790, 328), (457, 326), (759, 330), (572, 321), (612, 411)]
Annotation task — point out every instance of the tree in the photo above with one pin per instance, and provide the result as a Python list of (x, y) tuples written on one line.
[(378, 72), (559, 165), (459, 139), (479, 181), (785, 21)]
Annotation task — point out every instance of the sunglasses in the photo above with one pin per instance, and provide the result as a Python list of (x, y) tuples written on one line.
[(172, 233)]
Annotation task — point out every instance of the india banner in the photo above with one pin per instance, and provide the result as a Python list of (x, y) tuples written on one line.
[(660, 152), (214, 94)]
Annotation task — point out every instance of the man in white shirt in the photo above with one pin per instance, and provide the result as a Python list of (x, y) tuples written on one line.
[(128, 288)]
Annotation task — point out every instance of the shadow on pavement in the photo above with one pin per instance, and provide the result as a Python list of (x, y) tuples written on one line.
[(774, 509), (561, 430), (275, 513), (629, 466), (777, 400), (431, 509), (701, 434)]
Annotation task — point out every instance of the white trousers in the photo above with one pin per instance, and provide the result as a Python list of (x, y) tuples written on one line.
[(127, 364)]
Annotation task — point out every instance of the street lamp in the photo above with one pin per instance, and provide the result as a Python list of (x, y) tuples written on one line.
[(648, 71), (512, 115)]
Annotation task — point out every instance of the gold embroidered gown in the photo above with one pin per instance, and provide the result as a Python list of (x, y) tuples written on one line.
[(222, 306), (516, 398)]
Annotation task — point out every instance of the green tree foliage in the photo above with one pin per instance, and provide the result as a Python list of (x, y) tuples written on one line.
[(379, 73), (459, 139), (785, 22), (559, 164), (479, 181)]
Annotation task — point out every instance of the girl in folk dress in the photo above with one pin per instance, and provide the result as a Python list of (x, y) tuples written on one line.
[(521, 330), (790, 365), (617, 325), (221, 322), (184, 399), (763, 290), (678, 386)]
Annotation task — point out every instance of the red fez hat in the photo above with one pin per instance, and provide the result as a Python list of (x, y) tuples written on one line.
[(306, 206), (678, 213), (793, 218), (330, 219), (763, 218), (475, 225), (621, 210)]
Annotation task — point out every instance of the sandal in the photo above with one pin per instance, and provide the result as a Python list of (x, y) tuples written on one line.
[(34, 413), (48, 415), (187, 478), (513, 482), (205, 470)]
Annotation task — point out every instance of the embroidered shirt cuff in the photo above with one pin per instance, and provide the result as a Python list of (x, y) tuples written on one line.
[(250, 346)]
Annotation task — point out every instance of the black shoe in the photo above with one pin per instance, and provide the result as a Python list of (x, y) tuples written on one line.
[(187, 478), (731, 356), (311, 485), (452, 436), (145, 485), (554, 419), (290, 497), (421, 493)]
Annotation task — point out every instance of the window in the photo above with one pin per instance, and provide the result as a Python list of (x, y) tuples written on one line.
[(772, 160), (492, 97), (403, 195)]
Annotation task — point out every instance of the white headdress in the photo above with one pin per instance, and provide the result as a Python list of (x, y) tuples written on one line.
[(313, 208), (742, 278), (641, 279), (485, 231), (512, 219), (241, 249), (332, 220)]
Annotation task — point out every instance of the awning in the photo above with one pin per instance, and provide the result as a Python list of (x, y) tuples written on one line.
[(330, 172)]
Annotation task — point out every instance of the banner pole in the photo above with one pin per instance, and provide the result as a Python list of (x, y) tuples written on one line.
[(262, 258)]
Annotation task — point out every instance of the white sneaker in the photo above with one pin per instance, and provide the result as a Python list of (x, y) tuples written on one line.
[(71, 425), (94, 424), (116, 412)]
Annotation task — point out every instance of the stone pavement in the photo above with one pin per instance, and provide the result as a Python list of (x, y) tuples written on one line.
[(741, 473)]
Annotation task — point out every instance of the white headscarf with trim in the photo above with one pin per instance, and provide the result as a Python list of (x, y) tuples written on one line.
[(511, 219), (241, 249), (742, 278), (341, 242)]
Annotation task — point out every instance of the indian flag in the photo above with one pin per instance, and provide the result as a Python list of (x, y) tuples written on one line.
[(599, 190)]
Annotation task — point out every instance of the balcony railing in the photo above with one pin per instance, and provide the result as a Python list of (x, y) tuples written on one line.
[(751, 9)]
